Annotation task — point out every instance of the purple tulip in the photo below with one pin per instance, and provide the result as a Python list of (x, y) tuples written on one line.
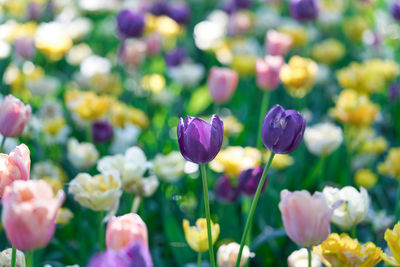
[(179, 12), (229, 6), (102, 131), (224, 191), (249, 180), (130, 23), (282, 130), (199, 141), (394, 92), (159, 8), (135, 255), (304, 10), (243, 4), (175, 57), (395, 10), (24, 47)]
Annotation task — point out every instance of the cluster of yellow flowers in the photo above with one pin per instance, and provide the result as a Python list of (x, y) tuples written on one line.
[(297, 32), (328, 52)]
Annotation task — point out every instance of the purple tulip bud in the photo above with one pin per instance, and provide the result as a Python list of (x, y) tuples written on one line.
[(130, 23), (175, 57), (159, 8), (395, 10), (249, 180), (102, 131), (304, 10), (199, 141), (24, 47), (243, 4), (394, 92), (135, 255), (224, 191), (282, 130), (179, 12)]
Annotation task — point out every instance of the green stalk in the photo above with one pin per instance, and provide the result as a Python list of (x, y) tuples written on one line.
[(199, 259), (354, 232), (2, 144), (101, 231), (397, 214), (13, 257), (253, 208), (309, 257), (29, 259), (208, 217), (263, 110)]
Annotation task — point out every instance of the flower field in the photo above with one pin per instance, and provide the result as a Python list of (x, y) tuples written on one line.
[(229, 133)]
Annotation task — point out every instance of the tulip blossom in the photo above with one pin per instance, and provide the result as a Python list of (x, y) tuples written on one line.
[(123, 230), (299, 258), (199, 141), (323, 138), (268, 70), (5, 258), (196, 236), (29, 213), (248, 181), (227, 255), (130, 23), (395, 10), (15, 166), (170, 167), (306, 217), (392, 238), (282, 130), (304, 10), (102, 131), (277, 43), (225, 191), (222, 83), (13, 116)]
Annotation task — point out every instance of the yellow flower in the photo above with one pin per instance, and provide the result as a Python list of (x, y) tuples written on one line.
[(53, 126), (354, 108), (298, 76), (354, 28), (365, 178), (87, 105), (298, 33), (232, 126), (375, 146), (244, 64), (343, 251), (55, 184), (280, 161), (328, 52), (64, 216), (196, 236), (391, 166), (52, 40), (154, 83), (105, 83), (392, 238), (120, 114), (235, 159)]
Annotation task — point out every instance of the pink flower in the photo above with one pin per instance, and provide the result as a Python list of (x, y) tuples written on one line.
[(268, 70), (13, 116), (154, 44), (123, 230), (14, 167), (222, 83), (306, 218), (277, 43), (29, 213)]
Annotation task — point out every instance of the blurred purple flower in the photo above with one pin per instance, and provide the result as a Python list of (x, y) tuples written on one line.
[(249, 180), (159, 8), (130, 23), (395, 10), (394, 91), (304, 10), (200, 141), (24, 47), (180, 12), (243, 4), (224, 191), (283, 130), (102, 131), (175, 57)]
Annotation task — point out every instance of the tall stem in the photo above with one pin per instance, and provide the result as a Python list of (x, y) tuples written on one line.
[(253, 208), (136, 204), (354, 232), (29, 259), (199, 259), (309, 257), (101, 231), (397, 214), (13, 257), (207, 207), (263, 110), (3, 141)]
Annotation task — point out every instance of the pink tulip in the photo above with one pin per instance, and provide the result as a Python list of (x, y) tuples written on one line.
[(222, 83), (132, 52), (13, 116), (306, 218), (14, 166), (123, 230), (29, 213), (268, 70), (277, 44), (153, 44)]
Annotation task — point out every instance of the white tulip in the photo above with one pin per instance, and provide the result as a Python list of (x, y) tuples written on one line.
[(299, 258), (169, 168), (323, 138), (82, 155), (228, 254)]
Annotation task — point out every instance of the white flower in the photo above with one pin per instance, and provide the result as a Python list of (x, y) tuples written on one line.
[(228, 254), (354, 208), (82, 155), (187, 74), (5, 258), (93, 65), (323, 138), (299, 258), (169, 168), (209, 34), (124, 138)]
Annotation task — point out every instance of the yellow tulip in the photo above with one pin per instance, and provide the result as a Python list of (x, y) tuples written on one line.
[(365, 178), (328, 52), (280, 161), (298, 33), (392, 238), (391, 166), (196, 236)]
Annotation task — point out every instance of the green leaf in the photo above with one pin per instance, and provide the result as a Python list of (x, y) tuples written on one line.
[(199, 101)]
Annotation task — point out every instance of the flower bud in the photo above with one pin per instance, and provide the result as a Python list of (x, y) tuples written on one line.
[(170, 167), (130, 23), (228, 254), (224, 191), (196, 236), (175, 57), (395, 10), (13, 116), (102, 131), (249, 180), (268, 70), (179, 12), (304, 10), (24, 47), (222, 83), (5, 258), (277, 43), (299, 258), (282, 130), (82, 155), (323, 138)]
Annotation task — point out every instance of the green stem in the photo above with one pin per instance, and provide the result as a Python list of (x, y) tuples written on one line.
[(199, 259), (315, 174), (207, 208), (263, 110), (2, 144), (101, 230), (309, 257), (253, 208), (136, 204), (13, 257), (29, 259), (354, 232), (397, 214)]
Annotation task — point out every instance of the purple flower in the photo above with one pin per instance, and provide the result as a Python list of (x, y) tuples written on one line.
[(102, 131), (243, 4), (130, 23), (282, 130), (199, 141), (304, 10), (159, 8), (135, 255), (249, 180), (175, 57), (224, 191), (24, 47), (395, 10), (394, 91), (179, 12)]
